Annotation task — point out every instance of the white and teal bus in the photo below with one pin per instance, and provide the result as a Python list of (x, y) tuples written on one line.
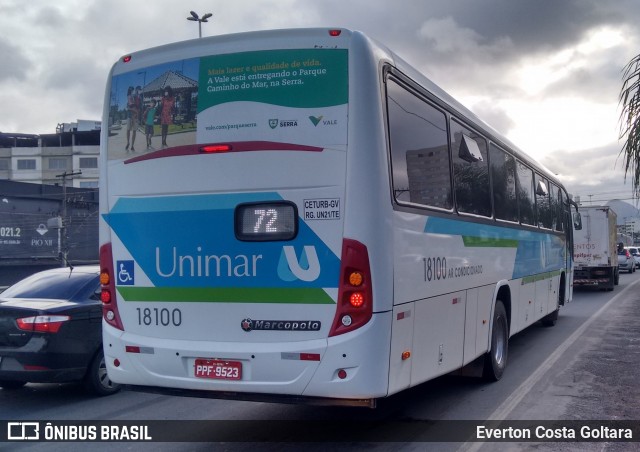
[(310, 219)]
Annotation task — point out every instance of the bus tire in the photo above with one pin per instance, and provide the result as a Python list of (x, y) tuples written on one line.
[(495, 361), (550, 319)]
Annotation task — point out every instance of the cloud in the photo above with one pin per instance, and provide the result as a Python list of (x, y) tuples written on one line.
[(14, 64), (595, 172), (453, 42), (492, 114)]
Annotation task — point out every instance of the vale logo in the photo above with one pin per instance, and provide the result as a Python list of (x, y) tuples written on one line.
[(315, 120)]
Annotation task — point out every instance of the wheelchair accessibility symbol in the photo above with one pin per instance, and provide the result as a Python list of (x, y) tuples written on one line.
[(125, 273)]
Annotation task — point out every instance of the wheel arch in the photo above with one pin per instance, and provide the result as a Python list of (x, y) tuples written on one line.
[(503, 293), (562, 289)]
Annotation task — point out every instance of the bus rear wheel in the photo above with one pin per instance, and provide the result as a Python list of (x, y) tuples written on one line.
[(495, 360)]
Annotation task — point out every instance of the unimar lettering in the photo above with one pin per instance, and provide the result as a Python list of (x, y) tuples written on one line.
[(205, 265)]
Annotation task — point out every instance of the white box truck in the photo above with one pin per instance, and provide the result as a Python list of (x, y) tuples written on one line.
[(595, 249)]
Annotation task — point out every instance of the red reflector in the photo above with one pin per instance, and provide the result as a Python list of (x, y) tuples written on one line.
[(216, 148), (132, 349), (126, 59), (310, 356), (335, 32)]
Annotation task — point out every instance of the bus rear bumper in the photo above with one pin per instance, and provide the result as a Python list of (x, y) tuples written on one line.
[(353, 366), (254, 397)]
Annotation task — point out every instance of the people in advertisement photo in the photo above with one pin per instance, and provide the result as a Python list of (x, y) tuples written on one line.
[(150, 117), (137, 103), (132, 123), (166, 112)]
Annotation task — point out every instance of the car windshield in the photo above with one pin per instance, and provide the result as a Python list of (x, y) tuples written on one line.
[(60, 286)]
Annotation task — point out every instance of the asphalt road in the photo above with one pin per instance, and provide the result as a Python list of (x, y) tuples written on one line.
[(584, 368)]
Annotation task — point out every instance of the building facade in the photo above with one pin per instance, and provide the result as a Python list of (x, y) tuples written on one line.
[(48, 199), (44, 159)]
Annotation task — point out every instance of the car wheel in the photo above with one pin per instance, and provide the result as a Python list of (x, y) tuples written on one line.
[(97, 381), (12, 384)]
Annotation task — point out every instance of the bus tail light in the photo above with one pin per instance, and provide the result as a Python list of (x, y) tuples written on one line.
[(108, 293), (355, 295), (213, 148)]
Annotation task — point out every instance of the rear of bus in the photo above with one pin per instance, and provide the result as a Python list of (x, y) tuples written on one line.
[(225, 265)]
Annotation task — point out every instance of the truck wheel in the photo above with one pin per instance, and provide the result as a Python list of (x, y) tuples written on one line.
[(616, 277), (495, 361)]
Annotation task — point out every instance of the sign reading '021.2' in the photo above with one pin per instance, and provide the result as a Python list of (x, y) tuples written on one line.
[(26, 236)]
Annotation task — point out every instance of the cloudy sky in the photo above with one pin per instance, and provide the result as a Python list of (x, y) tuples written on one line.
[(546, 73)]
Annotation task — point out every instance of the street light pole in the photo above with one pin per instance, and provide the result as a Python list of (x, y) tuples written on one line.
[(194, 17)]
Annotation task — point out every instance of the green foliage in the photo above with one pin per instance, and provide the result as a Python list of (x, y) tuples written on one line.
[(630, 121)]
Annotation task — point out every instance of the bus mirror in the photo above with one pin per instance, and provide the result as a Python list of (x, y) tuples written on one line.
[(577, 221)]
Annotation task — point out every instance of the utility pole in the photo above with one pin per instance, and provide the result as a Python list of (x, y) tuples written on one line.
[(65, 238)]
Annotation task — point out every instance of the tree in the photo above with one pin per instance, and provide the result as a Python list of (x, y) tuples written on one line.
[(630, 121)]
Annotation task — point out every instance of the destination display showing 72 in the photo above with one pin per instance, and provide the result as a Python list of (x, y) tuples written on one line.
[(266, 221)]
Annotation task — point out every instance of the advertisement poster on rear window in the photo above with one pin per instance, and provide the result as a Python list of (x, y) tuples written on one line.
[(288, 96)]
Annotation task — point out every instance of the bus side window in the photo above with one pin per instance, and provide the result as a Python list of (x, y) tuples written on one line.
[(543, 203), (419, 149), (557, 210), (526, 200), (470, 171), (503, 177)]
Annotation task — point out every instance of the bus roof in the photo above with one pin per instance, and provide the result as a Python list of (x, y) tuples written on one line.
[(315, 38)]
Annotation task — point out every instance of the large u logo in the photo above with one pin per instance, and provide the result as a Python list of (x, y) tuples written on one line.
[(312, 271)]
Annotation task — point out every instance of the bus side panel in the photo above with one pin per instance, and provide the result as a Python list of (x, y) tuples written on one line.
[(471, 326), (438, 342), (401, 342), (486, 302), (480, 302), (526, 302)]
